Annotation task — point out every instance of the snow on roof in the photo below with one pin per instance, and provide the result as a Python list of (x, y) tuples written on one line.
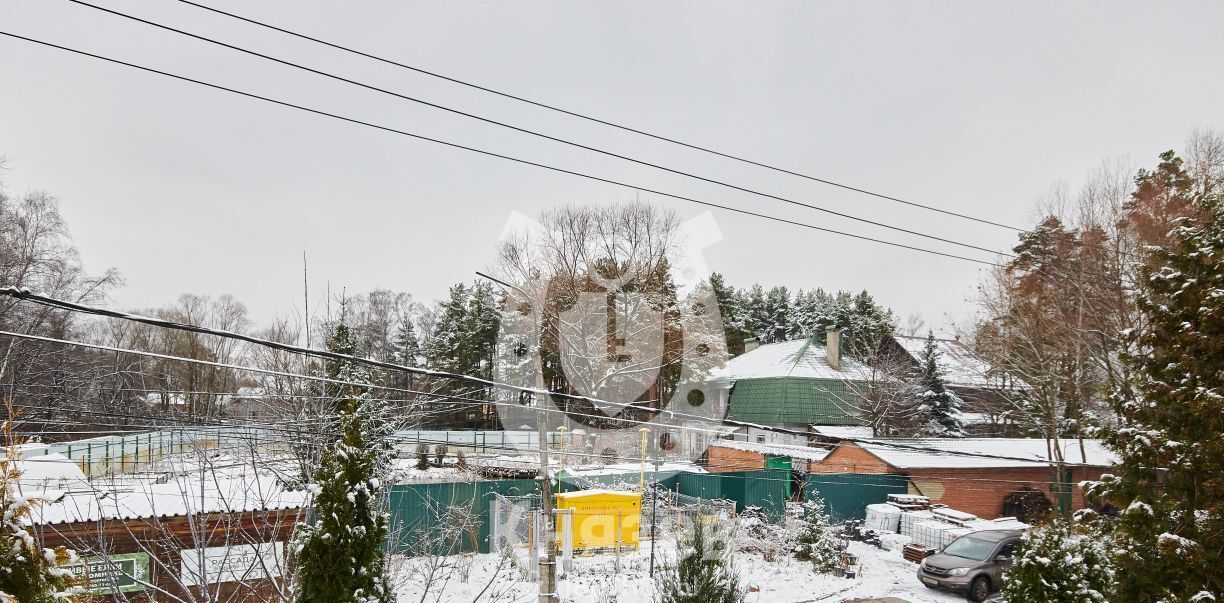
[(48, 471), (975, 418), (227, 489), (960, 366), (1016, 450), (797, 452), (624, 468), (597, 492), (843, 431), (799, 358)]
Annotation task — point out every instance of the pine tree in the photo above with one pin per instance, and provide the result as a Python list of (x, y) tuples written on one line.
[(341, 554), (815, 542), (407, 346), (28, 574), (478, 331), (704, 573), (940, 408), (868, 324), (445, 348), (1170, 479), (779, 325), (758, 316), (731, 308), (1058, 564)]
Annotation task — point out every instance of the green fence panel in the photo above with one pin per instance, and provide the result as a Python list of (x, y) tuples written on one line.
[(847, 495), (420, 508), (765, 489), (701, 485), (509, 487), (768, 489)]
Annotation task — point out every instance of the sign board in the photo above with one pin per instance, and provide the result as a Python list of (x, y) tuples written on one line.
[(235, 563), (123, 572)]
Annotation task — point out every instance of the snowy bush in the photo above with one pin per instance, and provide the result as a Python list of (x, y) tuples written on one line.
[(1059, 563), (28, 574), (756, 534), (816, 542), (704, 573)]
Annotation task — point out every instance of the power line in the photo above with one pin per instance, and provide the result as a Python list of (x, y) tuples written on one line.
[(536, 133), (243, 442), (502, 156), (598, 120), (731, 422)]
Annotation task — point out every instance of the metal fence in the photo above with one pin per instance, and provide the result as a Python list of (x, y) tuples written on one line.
[(437, 518), (518, 526), (446, 518), (847, 495), (121, 453)]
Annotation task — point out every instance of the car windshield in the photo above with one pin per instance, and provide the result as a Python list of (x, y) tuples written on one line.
[(970, 548)]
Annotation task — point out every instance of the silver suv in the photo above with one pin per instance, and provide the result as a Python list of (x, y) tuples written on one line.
[(971, 565)]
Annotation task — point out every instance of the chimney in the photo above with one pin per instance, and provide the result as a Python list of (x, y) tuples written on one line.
[(833, 341), (751, 343)]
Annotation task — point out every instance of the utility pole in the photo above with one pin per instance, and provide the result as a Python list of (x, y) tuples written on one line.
[(642, 461), (654, 515), (548, 561)]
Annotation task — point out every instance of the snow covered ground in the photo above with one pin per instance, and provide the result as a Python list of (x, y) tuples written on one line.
[(595, 579)]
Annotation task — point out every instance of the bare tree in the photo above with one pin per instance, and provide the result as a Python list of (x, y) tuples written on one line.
[(1053, 317), (887, 398), (613, 322)]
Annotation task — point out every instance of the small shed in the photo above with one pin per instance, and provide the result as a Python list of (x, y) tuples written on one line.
[(602, 519)]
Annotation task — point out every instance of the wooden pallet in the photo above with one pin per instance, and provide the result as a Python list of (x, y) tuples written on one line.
[(916, 552)]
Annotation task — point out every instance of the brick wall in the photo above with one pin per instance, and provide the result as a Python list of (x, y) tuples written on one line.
[(729, 459), (848, 458), (981, 491)]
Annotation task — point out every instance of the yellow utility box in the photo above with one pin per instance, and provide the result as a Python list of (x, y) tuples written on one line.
[(601, 519)]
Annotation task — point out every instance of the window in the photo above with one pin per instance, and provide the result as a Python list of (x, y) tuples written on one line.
[(970, 548), (1008, 550), (760, 439)]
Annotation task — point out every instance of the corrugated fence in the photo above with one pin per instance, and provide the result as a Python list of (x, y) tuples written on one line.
[(419, 509), (847, 495)]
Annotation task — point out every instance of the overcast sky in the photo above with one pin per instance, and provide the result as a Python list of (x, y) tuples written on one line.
[(971, 108)]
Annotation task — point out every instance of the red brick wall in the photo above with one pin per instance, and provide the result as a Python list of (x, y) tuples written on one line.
[(848, 458), (977, 491), (981, 491), (730, 459)]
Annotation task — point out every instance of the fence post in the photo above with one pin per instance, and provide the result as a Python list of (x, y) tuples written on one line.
[(567, 536), (618, 540), (533, 571)]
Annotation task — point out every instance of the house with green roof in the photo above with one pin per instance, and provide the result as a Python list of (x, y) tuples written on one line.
[(792, 384)]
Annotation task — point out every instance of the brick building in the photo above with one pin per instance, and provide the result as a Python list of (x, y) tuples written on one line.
[(962, 474), (735, 455), (204, 524)]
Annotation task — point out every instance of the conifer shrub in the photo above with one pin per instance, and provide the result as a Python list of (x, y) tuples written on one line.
[(703, 573)]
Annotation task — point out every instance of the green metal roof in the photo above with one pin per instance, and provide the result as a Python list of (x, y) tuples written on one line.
[(791, 400)]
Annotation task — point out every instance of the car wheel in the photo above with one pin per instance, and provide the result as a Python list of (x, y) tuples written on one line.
[(979, 589)]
